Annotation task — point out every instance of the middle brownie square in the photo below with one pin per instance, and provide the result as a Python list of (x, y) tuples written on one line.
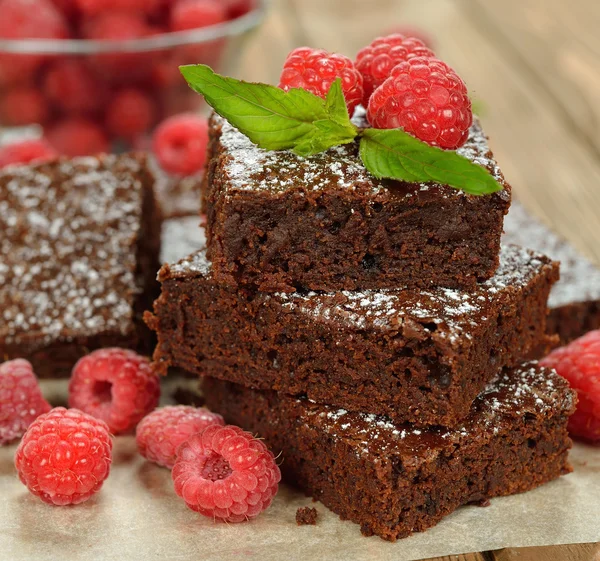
[(418, 356)]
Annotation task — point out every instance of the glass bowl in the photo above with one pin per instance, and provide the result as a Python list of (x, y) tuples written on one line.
[(103, 95)]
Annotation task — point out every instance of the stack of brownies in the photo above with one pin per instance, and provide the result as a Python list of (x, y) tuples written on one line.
[(375, 332)]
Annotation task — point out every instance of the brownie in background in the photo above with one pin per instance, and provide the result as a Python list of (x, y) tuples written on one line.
[(79, 248)]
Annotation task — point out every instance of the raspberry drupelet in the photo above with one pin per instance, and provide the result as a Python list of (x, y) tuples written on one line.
[(579, 363), (427, 99), (21, 400), (159, 434), (315, 70), (225, 473), (376, 61), (115, 385), (26, 151), (64, 457)]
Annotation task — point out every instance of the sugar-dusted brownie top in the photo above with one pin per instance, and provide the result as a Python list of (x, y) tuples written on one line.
[(68, 242), (251, 168), (579, 278), (441, 313), (524, 391)]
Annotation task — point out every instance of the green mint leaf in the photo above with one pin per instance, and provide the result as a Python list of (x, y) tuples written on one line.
[(395, 154), (273, 119)]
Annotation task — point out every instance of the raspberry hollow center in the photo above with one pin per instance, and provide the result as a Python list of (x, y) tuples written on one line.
[(216, 467), (103, 391)]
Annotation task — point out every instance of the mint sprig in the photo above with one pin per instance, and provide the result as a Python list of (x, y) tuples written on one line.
[(307, 124), (273, 119), (386, 153)]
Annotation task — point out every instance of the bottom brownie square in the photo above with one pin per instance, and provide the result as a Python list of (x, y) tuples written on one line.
[(394, 480)]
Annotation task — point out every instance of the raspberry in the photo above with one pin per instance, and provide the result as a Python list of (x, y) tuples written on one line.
[(115, 385), (27, 151), (191, 14), (130, 113), (64, 457), (95, 7), (21, 400), (237, 8), (579, 363), (72, 87), (375, 61), (120, 67), (160, 433), (226, 473), (315, 70), (31, 19), (180, 142), (426, 98), (78, 137), (23, 106)]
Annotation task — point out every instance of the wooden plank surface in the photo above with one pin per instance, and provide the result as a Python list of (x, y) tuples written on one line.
[(535, 65)]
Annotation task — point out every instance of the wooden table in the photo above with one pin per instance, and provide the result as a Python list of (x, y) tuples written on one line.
[(535, 67)]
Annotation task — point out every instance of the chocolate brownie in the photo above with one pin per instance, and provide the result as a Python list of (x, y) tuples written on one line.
[(393, 479), (176, 196), (79, 244), (419, 356), (280, 222), (575, 300)]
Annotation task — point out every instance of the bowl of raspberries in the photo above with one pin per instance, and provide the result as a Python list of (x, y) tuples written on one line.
[(99, 75)]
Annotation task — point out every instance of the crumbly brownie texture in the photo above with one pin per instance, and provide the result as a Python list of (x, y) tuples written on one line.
[(306, 515), (180, 237), (394, 480), (418, 356), (280, 222), (79, 245), (575, 300)]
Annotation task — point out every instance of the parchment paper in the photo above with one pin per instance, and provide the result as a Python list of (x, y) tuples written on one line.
[(137, 515)]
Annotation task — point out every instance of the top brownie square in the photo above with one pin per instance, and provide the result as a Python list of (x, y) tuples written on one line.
[(79, 242), (279, 222)]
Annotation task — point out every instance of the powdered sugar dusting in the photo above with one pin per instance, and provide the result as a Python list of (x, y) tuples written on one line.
[(579, 278), (180, 238), (251, 168), (452, 314), (528, 390), (68, 236)]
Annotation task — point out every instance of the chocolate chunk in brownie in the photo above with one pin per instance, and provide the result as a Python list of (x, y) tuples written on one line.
[(393, 479), (306, 515), (418, 356), (79, 244), (575, 300), (279, 222)]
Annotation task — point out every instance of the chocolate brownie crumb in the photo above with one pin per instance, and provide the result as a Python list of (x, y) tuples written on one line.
[(306, 515)]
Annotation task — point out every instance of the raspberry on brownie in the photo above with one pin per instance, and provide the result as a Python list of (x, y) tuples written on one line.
[(277, 221), (79, 243)]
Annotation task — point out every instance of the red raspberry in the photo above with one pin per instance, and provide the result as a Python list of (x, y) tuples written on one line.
[(160, 433), (426, 98), (180, 142), (23, 106), (315, 70), (25, 152), (122, 67), (31, 19), (579, 363), (191, 14), (64, 457), (78, 137), (375, 61), (95, 7), (115, 385), (21, 400), (130, 113), (72, 87), (237, 8), (226, 473)]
